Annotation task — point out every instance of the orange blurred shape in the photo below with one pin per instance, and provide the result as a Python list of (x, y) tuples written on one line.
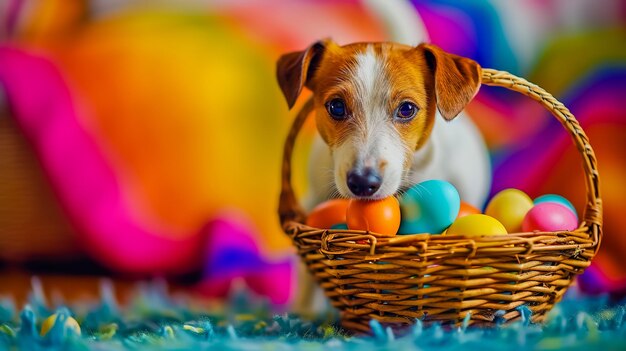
[(186, 111)]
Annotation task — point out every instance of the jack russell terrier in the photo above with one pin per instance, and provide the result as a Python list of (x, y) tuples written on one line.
[(375, 107)]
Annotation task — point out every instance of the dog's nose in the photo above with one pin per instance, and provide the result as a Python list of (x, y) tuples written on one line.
[(363, 182)]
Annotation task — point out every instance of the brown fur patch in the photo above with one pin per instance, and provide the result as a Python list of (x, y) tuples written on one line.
[(424, 75)]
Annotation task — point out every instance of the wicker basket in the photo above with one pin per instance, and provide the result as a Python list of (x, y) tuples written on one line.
[(444, 279)]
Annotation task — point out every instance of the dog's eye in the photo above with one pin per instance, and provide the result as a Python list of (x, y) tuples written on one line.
[(406, 110), (336, 109)]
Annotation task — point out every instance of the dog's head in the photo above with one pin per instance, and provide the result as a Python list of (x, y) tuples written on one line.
[(375, 105)]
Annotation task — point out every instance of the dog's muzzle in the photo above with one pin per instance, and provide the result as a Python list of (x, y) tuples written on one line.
[(364, 181)]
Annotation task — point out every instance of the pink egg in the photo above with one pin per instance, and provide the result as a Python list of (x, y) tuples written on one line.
[(549, 217)]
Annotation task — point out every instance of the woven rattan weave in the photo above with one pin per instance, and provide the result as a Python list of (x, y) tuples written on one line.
[(438, 278)]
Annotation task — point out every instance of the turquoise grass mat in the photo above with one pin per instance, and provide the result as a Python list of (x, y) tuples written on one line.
[(157, 320)]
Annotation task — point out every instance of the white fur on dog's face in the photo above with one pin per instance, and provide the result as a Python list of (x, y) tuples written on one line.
[(373, 141), (370, 138)]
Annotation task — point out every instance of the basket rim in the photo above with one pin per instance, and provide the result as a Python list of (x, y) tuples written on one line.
[(292, 216), (577, 240)]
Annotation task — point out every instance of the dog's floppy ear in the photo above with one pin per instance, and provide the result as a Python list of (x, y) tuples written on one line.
[(457, 79), (294, 69)]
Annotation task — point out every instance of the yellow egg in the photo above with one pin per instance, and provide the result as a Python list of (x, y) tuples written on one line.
[(509, 207), (70, 323), (476, 225)]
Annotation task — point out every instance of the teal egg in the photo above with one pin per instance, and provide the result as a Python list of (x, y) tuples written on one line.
[(339, 226), (556, 199), (429, 207)]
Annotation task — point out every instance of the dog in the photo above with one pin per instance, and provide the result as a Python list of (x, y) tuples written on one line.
[(376, 107)]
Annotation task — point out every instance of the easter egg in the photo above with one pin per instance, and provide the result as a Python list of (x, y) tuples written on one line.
[(509, 207), (339, 226), (476, 225), (379, 216), (467, 209), (429, 207), (70, 323), (549, 217), (556, 199), (328, 213)]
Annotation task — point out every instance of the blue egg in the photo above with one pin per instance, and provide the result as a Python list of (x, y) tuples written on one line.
[(339, 226), (429, 207), (556, 199)]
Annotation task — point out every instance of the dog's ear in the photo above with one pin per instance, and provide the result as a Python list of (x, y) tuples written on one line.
[(295, 69), (457, 79)]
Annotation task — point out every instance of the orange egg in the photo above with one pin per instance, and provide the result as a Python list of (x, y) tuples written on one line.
[(328, 213), (467, 209), (379, 216)]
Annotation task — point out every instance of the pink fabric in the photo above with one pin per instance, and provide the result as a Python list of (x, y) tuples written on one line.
[(232, 253), (85, 184)]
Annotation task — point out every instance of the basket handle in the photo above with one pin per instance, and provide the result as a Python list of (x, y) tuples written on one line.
[(290, 209)]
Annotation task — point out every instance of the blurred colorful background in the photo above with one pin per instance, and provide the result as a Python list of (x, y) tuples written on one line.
[(144, 138)]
